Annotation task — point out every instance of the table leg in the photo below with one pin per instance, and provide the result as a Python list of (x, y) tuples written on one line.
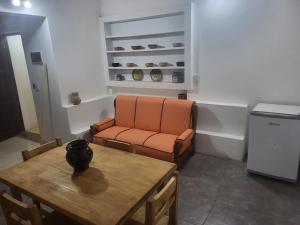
[(16, 194)]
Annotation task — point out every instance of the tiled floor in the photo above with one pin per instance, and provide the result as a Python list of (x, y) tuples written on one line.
[(10, 150), (217, 191)]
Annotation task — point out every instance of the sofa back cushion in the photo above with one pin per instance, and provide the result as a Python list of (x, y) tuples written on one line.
[(176, 116), (148, 113), (125, 111)]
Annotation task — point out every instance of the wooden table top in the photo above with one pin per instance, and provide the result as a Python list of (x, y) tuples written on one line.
[(108, 193)]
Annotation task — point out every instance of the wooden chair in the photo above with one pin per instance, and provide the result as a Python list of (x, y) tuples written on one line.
[(161, 209), (28, 154), (19, 213), (119, 145)]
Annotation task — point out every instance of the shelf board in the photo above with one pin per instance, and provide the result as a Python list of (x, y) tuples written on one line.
[(222, 135), (168, 33), (147, 84), (148, 68), (85, 101), (226, 104), (146, 50)]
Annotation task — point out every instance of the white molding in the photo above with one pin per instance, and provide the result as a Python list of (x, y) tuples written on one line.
[(223, 135), (147, 84), (239, 105), (67, 106)]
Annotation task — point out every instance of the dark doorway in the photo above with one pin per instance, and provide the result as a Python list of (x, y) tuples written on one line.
[(11, 121)]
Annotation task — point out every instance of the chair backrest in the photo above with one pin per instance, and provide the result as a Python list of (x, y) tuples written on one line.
[(162, 202), (119, 145), (28, 154), (19, 213)]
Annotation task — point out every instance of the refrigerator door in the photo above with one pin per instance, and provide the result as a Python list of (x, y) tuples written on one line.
[(274, 146)]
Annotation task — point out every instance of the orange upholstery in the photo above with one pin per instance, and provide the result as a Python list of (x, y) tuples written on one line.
[(98, 140), (125, 111), (186, 135), (103, 124), (157, 127), (135, 136), (176, 116), (148, 113), (185, 139), (161, 142), (110, 133), (154, 153)]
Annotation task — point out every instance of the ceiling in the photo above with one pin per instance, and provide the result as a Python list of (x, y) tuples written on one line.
[(11, 23)]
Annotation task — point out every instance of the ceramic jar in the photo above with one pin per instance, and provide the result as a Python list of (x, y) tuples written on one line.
[(79, 155), (74, 98)]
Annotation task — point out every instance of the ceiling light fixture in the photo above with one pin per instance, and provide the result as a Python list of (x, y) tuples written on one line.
[(16, 3), (27, 4)]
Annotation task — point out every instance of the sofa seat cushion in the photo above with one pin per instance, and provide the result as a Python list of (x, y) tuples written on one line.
[(162, 142), (111, 132), (154, 153), (135, 136)]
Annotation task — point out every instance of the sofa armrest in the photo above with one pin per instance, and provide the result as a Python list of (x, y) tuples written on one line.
[(186, 135), (101, 125), (183, 139)]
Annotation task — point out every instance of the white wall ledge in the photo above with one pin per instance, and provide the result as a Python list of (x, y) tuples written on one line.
[(238, 105), (67, 106)]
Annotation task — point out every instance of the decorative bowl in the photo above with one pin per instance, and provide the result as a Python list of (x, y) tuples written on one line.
[(179, 63), (137, 47), (149, 64), (137, 75), (163, 64), (131, 65), (177, 45), (79, 154), (116, 65), (153, 46), (119, 49), (156, 75)]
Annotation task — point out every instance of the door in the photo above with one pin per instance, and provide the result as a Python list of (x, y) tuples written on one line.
[(11, 121)]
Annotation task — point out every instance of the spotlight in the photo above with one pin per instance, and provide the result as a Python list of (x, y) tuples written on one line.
[(16, 2), (27, 4)]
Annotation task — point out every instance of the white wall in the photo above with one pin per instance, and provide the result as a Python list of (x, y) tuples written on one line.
[(248, 50), (40, 41), (75, 36), (111, 7), (22, 81)]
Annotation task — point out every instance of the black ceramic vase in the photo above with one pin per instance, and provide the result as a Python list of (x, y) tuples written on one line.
[(79, 155)]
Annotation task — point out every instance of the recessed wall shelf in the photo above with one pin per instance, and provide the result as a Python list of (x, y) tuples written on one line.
[(147, 50), (145, 35), (148, 68), (163, 28), (147, 84)]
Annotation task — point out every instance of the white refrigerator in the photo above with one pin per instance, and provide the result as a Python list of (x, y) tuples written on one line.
[(274, 141)]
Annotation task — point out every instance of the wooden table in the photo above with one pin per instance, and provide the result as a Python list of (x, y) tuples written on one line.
[(108, 193)]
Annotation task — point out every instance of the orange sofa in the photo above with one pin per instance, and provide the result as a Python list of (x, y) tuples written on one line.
[(157, 127)]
